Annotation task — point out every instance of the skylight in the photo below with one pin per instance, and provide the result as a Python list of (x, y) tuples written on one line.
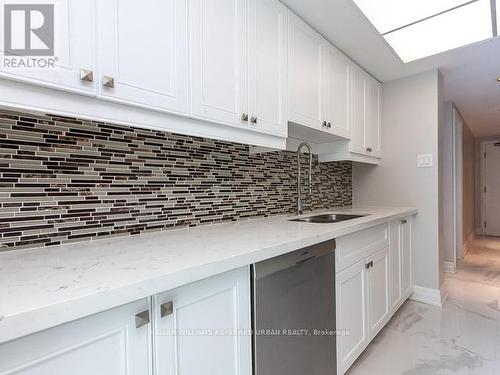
[(421, 28)]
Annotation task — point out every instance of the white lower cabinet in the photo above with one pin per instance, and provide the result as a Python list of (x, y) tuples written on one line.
[(199, 328), (362, 305), (378, 285), (202, 328), (115, 342), (401, 282), (352, 314), (369, 291)]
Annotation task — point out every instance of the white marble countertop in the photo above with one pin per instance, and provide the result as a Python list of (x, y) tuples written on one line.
[(44, 287)]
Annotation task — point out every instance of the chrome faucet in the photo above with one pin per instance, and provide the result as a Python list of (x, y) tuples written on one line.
[(300, 210)]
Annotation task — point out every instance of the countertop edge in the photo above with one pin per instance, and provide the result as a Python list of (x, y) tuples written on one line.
[(36, 320)]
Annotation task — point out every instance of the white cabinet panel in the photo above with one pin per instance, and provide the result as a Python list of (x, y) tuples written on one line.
[(305, 51), (357, 143), (395, 258), (218, 76), (206, 328), (406, 256), (144, 49), (373, 120), (267, 66), (352, 314), (337, 92), (108, 343), (379, 291), (74, 49)]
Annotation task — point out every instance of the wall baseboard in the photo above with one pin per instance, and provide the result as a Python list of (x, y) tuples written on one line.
[(468, 243), (433, 297), (449, 267)]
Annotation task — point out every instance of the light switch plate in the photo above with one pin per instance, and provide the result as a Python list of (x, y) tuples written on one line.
[(424, 160)]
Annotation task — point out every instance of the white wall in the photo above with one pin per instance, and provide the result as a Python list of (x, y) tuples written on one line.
[(412, 114), (468, 187)]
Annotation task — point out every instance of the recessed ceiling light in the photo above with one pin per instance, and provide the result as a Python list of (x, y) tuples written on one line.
[(388, 15), (498, 79), (462, 26), (420, 28)]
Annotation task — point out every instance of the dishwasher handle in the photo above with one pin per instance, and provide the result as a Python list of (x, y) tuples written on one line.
[(294, 259)]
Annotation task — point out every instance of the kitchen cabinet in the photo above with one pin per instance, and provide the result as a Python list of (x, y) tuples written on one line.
[(114, 342), (319, 81), (144, 65), (406, 240), (218, 60), (305, 76), (352, 314), (337, 90), (401, 261), (366, 115), (373, 117), (365, 125), (379, 305), (74, 50), (267, 66), (362, 306), (229, 85), (373, 279), (203, 328)]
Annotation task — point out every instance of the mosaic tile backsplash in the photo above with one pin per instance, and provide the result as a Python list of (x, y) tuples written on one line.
[(65, 179)]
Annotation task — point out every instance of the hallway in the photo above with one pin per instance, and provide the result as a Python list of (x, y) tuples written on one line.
[(462, 338)]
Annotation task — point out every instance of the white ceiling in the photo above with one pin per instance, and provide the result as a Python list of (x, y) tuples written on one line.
[(470, 73)]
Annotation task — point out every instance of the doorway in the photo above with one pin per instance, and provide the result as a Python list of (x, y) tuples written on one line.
[(490, 190)]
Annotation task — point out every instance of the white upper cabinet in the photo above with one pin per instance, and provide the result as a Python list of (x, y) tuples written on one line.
[(202, 328), (218, 66), (337, 92), (358, 101), (373, 118), (366, 114), (305, 75), (143, 53), (74, 49), (267, 66)]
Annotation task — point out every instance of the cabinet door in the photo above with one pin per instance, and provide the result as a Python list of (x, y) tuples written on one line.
[(352, 314), (202, 328), (305, 83), (373, 120), (379, 291), (337, 92), (267, 63), (358, 99), (74, 49), (406, 253), (218, 61), (395, 258), (144, 50), (114, 342)]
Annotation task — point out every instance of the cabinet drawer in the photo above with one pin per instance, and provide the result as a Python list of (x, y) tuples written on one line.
[(357, 246)]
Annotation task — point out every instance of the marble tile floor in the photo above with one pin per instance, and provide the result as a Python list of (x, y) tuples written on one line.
[(462, 338)]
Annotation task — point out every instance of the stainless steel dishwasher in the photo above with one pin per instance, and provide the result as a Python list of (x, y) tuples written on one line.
[(294, 313)]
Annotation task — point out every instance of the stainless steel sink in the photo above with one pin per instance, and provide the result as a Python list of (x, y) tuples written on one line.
[(327, 218)]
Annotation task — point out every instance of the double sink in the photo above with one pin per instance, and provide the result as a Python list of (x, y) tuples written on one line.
[(327, 218)]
